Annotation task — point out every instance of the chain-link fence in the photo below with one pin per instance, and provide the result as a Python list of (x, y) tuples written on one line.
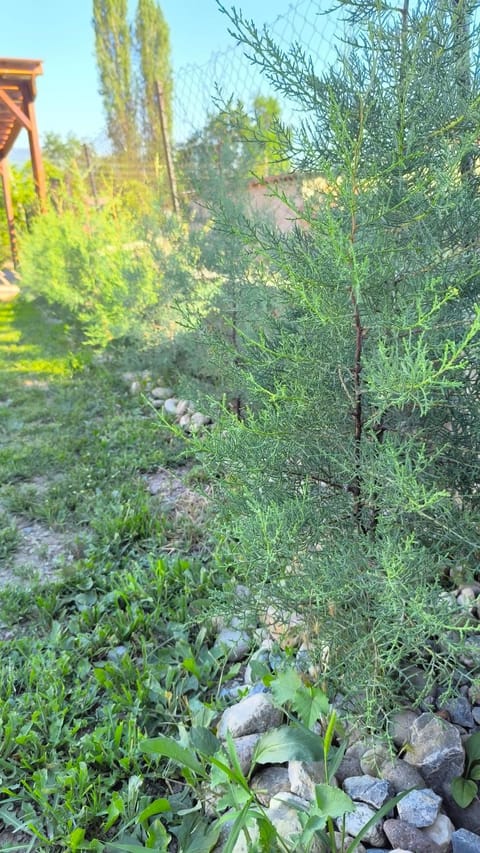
[(231, 76)]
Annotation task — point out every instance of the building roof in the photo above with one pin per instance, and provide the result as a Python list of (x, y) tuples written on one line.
[(17, 91)]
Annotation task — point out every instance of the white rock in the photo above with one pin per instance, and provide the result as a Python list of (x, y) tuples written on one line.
[(199, 420), (182, 408), (161, 393), (254, 714), (441, 833), (170, 406), (304, 776), (356, 820), (234, 642)]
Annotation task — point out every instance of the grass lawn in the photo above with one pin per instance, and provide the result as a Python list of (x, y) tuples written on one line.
[(99, 580)]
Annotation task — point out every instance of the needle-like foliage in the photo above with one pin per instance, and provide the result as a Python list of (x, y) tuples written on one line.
[(349, 489)]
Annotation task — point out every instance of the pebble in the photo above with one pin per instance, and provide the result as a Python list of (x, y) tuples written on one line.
[(356, 820), (170, 406), (368, 789), (420, 808), (252, 715), (464, 841)]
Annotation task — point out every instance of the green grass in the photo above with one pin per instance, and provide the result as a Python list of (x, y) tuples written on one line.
[(106, 654)]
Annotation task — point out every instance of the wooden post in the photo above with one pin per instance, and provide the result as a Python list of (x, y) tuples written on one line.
[(166, 147), (36, 155), (91, 176), (7, 196)]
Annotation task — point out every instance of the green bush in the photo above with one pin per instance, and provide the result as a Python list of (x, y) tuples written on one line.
[(94, 265), (348, 491)]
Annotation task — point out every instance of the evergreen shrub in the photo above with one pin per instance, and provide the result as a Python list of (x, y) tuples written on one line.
[(96, 266), (348, 488)]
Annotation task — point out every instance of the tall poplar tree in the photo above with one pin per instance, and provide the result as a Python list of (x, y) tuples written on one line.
[(152, 43), (113, 45)]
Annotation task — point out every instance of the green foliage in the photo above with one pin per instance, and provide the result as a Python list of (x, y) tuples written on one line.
[(465, 788), (113, 45), (205, 761), (347, 492), (93, 265), (152, 39), (131, 59)]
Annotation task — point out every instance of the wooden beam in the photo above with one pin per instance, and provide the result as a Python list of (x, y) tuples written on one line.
[(15, 109), (36, 153), (7, 196)]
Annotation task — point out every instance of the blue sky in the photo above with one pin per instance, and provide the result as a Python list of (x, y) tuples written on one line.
[(60, 33)]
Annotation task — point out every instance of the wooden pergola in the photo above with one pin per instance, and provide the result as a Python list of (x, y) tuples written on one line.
[(17, 94)]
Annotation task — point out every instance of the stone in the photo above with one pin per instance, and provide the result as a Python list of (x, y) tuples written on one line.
[(435, 750), (343, 841), (253, 714), (182, 408), (286, 628), (161, 393), (420, 808), (304, 776), (374, 758), (440, 832), (401, 775), (400, 726), (356, 820), (283, 812), (245, 747), (464, 841), (459, 711), (170, 406), (234, 642), (407, 837), (199, 420), (350, 764), (368, 789), (270, 781)]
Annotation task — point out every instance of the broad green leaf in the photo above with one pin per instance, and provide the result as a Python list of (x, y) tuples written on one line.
[(464, 791), (314, 825), (157, 807), (309, 703), (288, 743), (332, 802), (472, 747), (204, 741), (169, 748), (157, 837), (285, 685), (75, 838)]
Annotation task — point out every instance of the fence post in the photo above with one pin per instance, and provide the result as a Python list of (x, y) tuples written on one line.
[(91, 176), (166, 147)]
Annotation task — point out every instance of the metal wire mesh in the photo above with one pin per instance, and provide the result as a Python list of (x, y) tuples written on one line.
[(232, 74)]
